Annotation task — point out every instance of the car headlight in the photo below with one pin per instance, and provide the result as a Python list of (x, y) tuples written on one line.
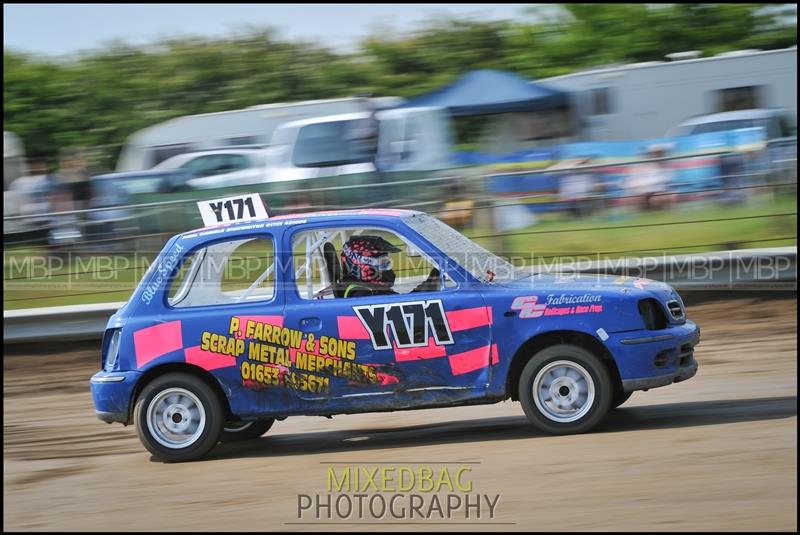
[(675, 308), (652, 315)]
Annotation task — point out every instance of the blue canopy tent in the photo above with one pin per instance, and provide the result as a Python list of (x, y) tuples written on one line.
[(485, 92), (525, 116)]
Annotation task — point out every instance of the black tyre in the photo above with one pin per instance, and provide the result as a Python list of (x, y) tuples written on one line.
[(619, 398), (236, 431), (178, 417), (565, 389)]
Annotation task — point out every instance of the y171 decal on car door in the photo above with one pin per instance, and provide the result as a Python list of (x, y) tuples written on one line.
[(411, 323)]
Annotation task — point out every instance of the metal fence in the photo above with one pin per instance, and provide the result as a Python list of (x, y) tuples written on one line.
[(467, 197), (472, 199)]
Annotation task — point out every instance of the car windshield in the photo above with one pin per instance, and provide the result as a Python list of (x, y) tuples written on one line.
[(480, 263), (171, 163)]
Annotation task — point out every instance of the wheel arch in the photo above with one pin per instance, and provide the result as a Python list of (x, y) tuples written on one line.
[(177, 367), (542, 340)]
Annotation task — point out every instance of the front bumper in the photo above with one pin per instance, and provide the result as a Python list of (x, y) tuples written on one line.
[(649, 359), (684, 372), (112, 393)]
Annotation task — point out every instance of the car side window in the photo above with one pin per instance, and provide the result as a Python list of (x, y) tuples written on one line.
[(228, 163), (773, 128), (201, 165), (228, 272), (237, 162), (341, 262), (786, 129)]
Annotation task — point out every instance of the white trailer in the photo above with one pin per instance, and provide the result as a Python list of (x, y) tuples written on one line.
[(250, 126), (645, 100)]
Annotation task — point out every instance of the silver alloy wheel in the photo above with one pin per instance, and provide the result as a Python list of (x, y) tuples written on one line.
[(176, 418), (235, 427), (563, 391)]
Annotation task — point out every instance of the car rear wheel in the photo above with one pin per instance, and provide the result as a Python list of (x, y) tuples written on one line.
[(565, 389), (178, 417), (236, 431)]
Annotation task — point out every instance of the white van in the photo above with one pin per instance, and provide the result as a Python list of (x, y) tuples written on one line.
[(415, 139), (409, 139)]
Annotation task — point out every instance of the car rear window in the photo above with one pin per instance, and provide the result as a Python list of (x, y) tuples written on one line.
[(229, 272)]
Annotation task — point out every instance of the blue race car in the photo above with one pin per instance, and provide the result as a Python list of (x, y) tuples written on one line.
[(239, 324)]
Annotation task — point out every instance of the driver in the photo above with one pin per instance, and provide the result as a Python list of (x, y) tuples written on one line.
[(368, 270)]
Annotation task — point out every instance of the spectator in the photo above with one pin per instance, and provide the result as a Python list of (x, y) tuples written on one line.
[(578, 189), (458, 208), (732, 167), (34, 192), (74, 174), (650, 181)]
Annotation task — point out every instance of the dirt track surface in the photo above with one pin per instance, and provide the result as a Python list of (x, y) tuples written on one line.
[(718, 452)]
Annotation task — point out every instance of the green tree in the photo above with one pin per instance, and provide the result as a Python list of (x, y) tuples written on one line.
[(99, 98)]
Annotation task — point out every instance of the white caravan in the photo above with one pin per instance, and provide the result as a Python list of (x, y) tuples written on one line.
[(251, 126), (645, 100)]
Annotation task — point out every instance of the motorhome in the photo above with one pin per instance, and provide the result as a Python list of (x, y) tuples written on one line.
[(246, 127), (645, 100)]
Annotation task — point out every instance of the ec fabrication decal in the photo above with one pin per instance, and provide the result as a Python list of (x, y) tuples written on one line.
[(557, 305), (397, 493)]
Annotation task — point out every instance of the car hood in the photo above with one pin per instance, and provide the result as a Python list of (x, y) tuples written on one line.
[(581, 301), (607, 285)]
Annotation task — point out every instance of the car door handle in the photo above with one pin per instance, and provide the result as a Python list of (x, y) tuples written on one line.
[(310, 324)]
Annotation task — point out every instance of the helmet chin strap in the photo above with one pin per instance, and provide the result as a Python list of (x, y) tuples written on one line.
[(388, 277)]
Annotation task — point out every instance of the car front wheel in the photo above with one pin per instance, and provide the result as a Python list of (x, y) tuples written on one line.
[(236, 431), (178, 417), (565, 389)]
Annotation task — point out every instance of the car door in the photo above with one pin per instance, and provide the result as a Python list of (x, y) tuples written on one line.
[(421, 348), (228, 309)]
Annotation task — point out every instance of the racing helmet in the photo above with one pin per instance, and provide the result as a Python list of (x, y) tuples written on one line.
[(366, 259)]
